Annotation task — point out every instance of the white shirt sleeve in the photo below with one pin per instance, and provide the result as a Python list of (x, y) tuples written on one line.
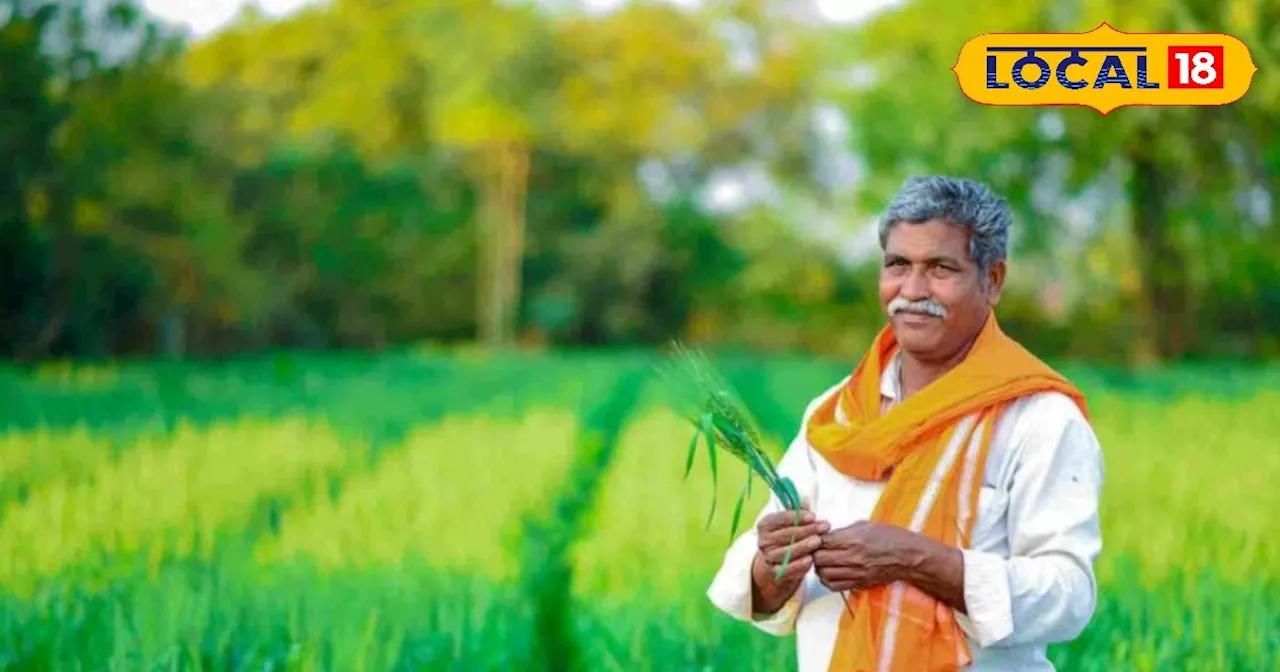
[(730, 590), (1046, 591)]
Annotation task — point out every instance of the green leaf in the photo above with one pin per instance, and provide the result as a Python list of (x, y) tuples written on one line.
[(693, 449), (711, 454), (737, 442), (758, 465), (792, 500), (737, 509), (791, 546), (708, 431)]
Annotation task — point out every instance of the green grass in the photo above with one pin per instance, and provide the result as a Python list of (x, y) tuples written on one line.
[(421, 511)]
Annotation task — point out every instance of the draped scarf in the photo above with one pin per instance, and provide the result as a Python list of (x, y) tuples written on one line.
[(932, 449)]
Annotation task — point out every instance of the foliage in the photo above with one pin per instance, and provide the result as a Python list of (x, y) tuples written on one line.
[(720, 418), (1174, 182), (334, 179)]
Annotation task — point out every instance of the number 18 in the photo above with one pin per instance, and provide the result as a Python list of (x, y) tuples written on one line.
[(1195, 67)]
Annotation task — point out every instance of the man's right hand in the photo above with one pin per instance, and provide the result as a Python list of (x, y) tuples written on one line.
[(774, 534)]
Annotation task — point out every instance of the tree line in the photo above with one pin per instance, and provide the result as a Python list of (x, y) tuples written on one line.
[(370, 175)]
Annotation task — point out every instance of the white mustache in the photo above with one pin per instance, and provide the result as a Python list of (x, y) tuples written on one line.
[(926, 306)]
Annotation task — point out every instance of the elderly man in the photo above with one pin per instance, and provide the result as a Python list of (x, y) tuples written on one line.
[(951, 482)]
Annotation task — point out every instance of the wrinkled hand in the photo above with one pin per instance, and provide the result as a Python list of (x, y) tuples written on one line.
[(774, 535), (864, 555)]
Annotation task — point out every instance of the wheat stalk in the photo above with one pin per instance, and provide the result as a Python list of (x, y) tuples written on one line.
[(722, 422)]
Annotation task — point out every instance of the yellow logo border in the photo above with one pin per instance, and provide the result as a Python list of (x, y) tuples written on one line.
[(1104, 111)]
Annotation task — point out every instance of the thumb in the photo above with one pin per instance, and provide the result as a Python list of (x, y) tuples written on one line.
[(806, 503)]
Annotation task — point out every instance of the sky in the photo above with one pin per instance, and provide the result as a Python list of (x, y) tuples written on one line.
[(205, 17)]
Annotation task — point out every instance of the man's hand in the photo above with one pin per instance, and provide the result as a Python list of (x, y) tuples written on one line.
[(865, 555), (774, 535)]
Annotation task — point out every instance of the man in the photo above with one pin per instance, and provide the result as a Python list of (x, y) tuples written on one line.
[(951, 483)]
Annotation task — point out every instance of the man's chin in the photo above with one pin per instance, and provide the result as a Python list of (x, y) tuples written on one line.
[(917, 334)]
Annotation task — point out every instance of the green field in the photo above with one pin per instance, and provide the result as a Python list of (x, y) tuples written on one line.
[(429, 511)]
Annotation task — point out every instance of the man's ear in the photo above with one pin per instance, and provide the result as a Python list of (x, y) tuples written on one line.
[(995, 282)]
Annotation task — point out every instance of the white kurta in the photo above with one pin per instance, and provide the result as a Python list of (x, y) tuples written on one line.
[(1028, 577)]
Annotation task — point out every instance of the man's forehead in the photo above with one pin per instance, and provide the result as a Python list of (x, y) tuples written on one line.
[(929, 239)]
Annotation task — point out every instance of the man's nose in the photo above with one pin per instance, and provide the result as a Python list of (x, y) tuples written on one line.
[(916, 286)]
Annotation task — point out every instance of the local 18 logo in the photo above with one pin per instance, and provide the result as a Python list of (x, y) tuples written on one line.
[(1104, 69)]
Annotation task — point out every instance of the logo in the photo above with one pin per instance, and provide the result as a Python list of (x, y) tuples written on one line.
[(1104, 69)]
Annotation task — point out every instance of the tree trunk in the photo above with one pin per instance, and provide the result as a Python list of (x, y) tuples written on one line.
[(173, 334), (1162, 264), (515, 171), (61, 293), (502, 178)]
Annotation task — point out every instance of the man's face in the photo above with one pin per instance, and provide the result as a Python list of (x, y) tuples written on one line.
[(931, 289)]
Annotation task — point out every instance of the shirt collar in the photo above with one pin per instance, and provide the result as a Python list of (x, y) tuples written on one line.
[(891, 379)]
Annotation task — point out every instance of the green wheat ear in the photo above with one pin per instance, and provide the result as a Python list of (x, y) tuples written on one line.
[(722, 421)]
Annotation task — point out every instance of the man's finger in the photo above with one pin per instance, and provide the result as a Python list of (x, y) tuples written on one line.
[(826, 557), (838, 539), (841, 586), (783, 519), (783, 536), (838, 574), (796, 570), (802, 548)]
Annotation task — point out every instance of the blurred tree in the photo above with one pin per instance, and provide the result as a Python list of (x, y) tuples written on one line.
[(355, 250), (28, 120), (660, 101), (335, 179), (1176, 172), (123, 176), (460, 77), (493, 85)]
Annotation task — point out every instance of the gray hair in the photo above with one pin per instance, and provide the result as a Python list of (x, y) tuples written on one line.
[(960, 201)]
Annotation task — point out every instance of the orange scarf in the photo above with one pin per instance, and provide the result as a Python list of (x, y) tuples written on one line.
[(932, 447)]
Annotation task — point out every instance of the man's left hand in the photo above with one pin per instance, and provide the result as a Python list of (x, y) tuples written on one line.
[(864, 555)]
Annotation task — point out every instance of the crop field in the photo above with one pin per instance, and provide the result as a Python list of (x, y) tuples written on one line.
[(424, 510)]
